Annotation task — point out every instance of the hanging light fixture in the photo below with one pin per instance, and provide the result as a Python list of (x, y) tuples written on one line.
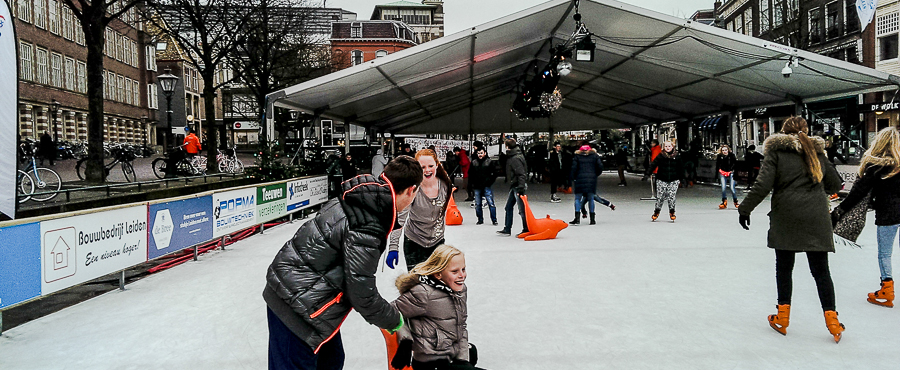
[(564, 67)]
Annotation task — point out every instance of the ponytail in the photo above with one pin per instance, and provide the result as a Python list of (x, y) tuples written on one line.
[(798, 126)]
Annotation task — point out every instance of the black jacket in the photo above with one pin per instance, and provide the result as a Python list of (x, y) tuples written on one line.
[(885, 195), (516, 170), (481, 173), (671, 168), (586, 166), (329, 266), (725, 162)]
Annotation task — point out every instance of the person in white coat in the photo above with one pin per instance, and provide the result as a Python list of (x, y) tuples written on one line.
[(378, 163)]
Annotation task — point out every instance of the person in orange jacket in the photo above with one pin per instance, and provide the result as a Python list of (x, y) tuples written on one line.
[(192, 143)]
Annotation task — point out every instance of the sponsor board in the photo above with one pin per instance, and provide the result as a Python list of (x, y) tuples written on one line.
[(233, 210), (20, 264), (306, 193), (271, 202), (81, 248), (179, 224)]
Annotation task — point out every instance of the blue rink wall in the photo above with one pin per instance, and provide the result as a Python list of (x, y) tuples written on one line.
[(43, 255)]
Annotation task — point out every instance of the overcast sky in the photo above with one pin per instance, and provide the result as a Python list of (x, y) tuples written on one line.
[(462, 14)]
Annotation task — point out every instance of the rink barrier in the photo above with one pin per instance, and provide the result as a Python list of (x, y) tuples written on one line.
[(43, 255)]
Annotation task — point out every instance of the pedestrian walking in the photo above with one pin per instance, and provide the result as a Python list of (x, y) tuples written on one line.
[(328, 269), (797, 173), (725, 161), (47, 148), (878, 174), (481, 178), (424, 221), (669, 172), (557, 164), (348, 167), (378, 162), (586, 166), (517, 176), (621, 158), (754, 162)]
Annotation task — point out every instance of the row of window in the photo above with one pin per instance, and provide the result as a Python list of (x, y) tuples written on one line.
[(121, 48), (824, 24), (48, 68), (122, 89), (51, 15), (356, 56)]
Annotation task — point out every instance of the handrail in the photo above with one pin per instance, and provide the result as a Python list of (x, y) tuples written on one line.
[(139, 184)]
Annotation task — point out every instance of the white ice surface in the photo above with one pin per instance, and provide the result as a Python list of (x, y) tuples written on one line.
[(624, 294)]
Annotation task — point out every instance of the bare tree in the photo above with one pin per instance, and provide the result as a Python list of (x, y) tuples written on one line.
[(94, 17), (206, 30)]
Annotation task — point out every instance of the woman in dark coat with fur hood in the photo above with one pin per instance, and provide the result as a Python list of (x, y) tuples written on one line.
[(797, 173), (586, 166)]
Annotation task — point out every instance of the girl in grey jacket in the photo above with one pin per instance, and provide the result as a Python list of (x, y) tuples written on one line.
[(433, 301)]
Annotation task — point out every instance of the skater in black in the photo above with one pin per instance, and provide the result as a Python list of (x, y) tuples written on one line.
[(669, 172)]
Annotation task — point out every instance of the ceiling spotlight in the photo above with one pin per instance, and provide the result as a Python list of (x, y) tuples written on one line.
[(564, 67), (786, 71), (584, 50)]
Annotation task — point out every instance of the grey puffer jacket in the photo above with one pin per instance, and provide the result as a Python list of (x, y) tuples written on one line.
[(436, 317), (800, 219), (516, 170), (329, 266)]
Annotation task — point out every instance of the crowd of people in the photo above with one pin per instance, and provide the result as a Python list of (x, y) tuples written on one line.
[(328, 267)]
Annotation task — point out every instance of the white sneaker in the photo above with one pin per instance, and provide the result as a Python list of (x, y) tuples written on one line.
[(555, 200)]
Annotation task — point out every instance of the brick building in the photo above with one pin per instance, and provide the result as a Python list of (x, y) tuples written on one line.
[(52, 68), (358, 42), (426, 19)]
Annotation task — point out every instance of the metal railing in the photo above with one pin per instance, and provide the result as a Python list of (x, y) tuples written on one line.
[(140, 184)]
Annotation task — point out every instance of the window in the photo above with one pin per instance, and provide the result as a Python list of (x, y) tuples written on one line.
[(120, 93), (777, 13), (136, 91), (853, 54), (23, 10), (381, 53), (739, 23), (887, 46), (793, 9), (128, 94), (748, 21), (851, 21), (194, 80), (81, 68), (152, 98), (187, 79), (150, 54), (356, 57), (764, 16), (70, 74), (126, 50), (68, 32), (40, 15), (355, 30), (119, 46), (56, 77), (53, 15), (815, 26), (26, 62), (43, 74), (109, 46), (886, 27), (729, 26), (111, 82), (134, 55), (832, 26), (79, 33)]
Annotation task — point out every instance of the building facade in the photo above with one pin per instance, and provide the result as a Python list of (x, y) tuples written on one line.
[(53, 76), (358, 42), (887, 27), (426, 19)]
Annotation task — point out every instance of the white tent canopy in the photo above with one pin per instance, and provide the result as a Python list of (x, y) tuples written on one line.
[(649, 67)]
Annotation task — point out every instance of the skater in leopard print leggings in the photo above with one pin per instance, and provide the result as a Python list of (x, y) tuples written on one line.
[(668, 177)]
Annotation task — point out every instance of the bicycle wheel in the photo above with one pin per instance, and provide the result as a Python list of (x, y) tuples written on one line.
[(237, 166), (159, 167), (224, 164), (81, 168), (128, 171), (45, 179), (25, 186)]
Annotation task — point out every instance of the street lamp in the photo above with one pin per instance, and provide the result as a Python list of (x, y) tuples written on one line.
[(167, 82), (54, 107)]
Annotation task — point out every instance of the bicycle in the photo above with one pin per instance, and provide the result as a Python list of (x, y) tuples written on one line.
[(187, 166), (228, 161), (34, 179), (121, 155)]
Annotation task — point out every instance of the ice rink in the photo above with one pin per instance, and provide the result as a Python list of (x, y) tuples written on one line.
[(624, 294)]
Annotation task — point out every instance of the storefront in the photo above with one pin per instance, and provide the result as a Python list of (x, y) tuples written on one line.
[(245, 133)]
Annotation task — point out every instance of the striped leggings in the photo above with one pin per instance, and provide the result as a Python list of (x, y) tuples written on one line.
[(665, 191)]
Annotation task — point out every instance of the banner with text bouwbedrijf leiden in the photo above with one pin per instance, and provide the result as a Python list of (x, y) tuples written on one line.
[(233, 210), (305, 193), (81, 248), (9, 95), (179, 224)]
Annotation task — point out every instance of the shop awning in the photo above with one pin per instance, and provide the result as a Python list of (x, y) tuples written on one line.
[(649, 68)]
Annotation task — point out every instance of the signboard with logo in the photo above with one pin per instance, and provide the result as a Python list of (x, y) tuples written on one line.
[(233, 210), (9, 96), (20, 264), (306, 193), (271, 202), (247, 125), (179, 224), (81, 248)]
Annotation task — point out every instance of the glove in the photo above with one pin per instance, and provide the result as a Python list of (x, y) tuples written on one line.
[(403, 356), (520, 191), (836, 215), (392, 259), (745, 221)]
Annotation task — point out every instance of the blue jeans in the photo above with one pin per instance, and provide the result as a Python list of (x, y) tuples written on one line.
[(512, 201), (886, 236), (584, 197), (727, 180), (488, 195), (289, 352), (598, 199)]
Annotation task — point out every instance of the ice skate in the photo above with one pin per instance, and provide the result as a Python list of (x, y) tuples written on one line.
[(834, 326), (655, 214), (672, 215), (554, 199), (724, 204), (781, 320), (884, 296), (736, 204), (612, 207)]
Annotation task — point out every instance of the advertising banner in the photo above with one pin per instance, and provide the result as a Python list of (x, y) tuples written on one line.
[(271, 202), (81, 248), (9, 94), (441, 146), (233, 210), (306, 193), (179, 224), (20, 264)]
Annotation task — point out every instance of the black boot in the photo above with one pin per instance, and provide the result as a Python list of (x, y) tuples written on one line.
[(577, 219), (593, 221)]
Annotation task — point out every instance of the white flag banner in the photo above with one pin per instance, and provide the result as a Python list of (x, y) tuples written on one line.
[(9, 87), (865, 9)]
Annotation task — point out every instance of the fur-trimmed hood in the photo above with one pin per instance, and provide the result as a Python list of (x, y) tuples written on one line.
[(790, 143), (589, 152)]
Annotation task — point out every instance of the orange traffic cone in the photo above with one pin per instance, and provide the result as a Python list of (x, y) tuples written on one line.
[(454, 217)]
